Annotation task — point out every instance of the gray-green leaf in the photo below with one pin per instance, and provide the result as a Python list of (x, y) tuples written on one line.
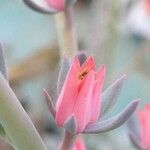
[(114, 122), (63, 73), (3, 67), (110, 95)]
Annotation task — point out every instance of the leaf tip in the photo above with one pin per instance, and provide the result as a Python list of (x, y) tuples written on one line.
[(70, 125), (49, 102)]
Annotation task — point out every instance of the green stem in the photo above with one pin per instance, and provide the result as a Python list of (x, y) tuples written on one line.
[(16, 122), (67, 142), (66, 32)]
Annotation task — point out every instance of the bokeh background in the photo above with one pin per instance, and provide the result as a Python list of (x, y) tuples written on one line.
[(115, 32)]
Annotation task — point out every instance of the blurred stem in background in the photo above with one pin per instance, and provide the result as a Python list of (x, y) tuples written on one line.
[(110, 43), (66, 32), (104, 34)]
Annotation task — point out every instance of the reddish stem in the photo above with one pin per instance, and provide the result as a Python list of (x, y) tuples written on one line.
[(67, 141)]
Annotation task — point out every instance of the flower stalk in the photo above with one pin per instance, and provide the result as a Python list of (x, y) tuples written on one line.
[(68, 140), (66, 32)]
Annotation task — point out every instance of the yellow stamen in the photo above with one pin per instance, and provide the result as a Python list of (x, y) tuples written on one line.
[(83, 73)]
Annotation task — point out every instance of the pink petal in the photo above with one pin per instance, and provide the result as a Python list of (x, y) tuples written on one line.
[(147, 108), (68, 95), (146, 5), (96, 101), (144, 121), (79, 145), (81, 110), (57, 4)]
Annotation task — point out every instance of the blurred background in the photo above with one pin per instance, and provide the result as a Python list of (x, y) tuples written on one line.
[(116, 32)]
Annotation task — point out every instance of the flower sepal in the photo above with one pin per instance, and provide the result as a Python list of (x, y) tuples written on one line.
[(70, 125), (110, 95), (114, 122), (138, 129), (49, 103)]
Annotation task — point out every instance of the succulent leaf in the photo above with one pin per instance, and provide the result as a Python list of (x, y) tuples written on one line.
[(114, 122), (70, 125), (49, 103), (63, 73), (3, 67), (109, 96), (134, 132), (133, 126), (136, 143)]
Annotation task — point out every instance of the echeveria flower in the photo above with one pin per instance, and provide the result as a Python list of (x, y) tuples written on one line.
[(80, 94), (49, 6), (139, 129), (81, 105), (79, 145)]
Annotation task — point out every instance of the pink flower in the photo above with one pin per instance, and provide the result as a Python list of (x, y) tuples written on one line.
[(81, 105), (147, 6), (80, 95), (144, 120), (56, 4), (49, 6), (79, 145)]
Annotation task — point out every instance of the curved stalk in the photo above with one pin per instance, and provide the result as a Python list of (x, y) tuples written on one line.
[(66, 32)]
